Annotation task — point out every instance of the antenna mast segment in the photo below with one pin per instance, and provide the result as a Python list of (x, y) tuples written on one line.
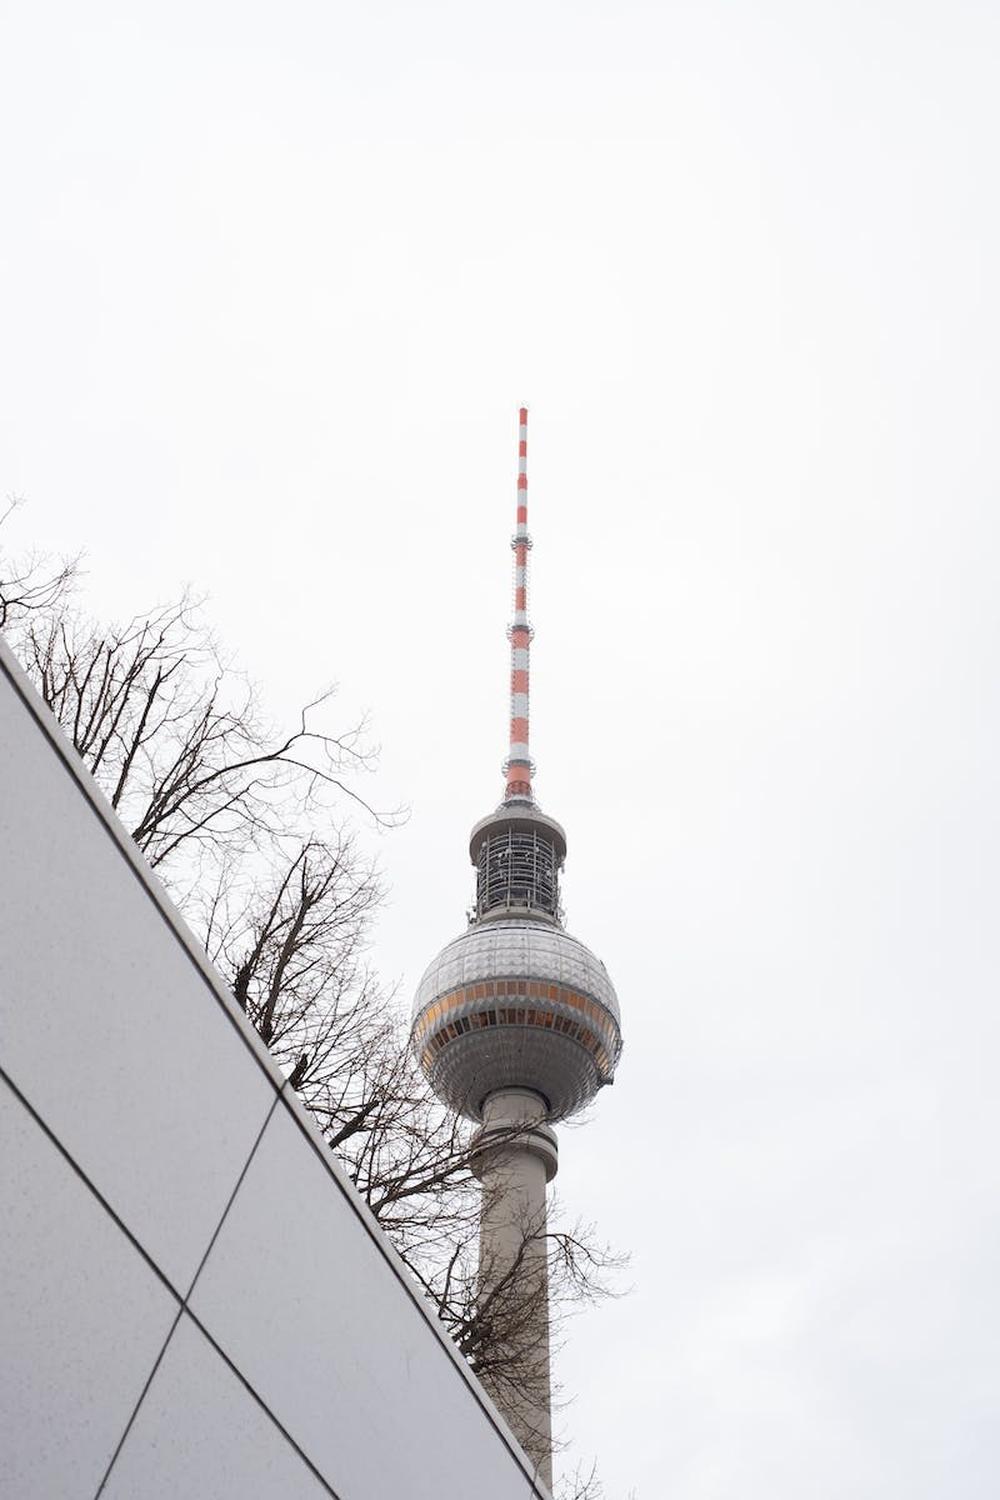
[(518, 767)]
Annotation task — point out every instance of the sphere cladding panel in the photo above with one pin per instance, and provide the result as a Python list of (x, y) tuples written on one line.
[(468, 1067), (517, 950), (480, 1063)]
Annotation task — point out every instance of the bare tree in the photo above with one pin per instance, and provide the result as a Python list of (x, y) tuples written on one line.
[(177, 737), (247, 826), (32, 583), (582, 1484)]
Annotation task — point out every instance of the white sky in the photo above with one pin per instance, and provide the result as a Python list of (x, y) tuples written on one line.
[(273, 281)]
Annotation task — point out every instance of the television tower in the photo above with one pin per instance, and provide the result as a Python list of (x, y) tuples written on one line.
[(516, 1025)]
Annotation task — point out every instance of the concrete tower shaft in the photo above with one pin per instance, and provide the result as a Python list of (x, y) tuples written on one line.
[(517, 1158)]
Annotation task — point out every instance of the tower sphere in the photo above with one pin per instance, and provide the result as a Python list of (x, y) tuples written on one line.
[(516, 1002)]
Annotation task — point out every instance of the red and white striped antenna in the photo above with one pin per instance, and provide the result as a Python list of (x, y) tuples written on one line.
[(518, 767)]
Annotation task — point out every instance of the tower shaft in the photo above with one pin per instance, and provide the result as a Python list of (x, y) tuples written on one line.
[(517, 1158)]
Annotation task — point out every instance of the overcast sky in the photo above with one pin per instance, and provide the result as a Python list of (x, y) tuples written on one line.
[(273, 281)]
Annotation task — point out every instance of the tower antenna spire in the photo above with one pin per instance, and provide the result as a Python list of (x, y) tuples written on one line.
[(518, 767)]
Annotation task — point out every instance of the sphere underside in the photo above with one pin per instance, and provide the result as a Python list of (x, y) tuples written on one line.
[(516, 1003)]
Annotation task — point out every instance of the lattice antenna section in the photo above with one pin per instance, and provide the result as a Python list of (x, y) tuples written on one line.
[(518, 767)]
